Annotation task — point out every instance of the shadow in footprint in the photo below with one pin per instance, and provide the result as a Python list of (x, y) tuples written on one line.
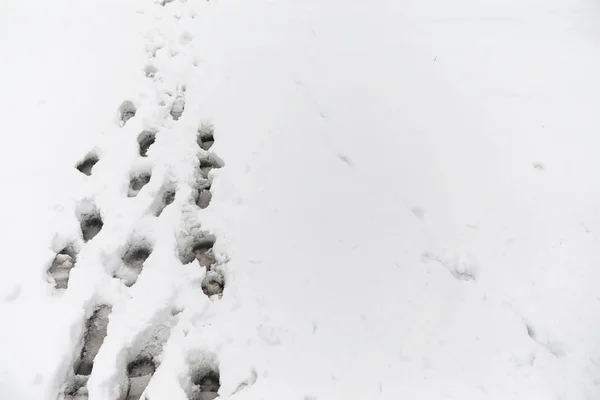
[(76, 389), (136, 374), (203, 252), (60, 270), (208, 162), (198, 247), (145, 140), (85, 166), (201, 249), (206, 135), (95, 333), (127, 111), (202, 193), (213, 283), (178, 105), (91, 224), (137, 183), (203, 197), (133, 263), (206, 383), (167, 198), (139, 373)]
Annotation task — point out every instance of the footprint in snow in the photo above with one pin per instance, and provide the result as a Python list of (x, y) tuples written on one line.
[(208, 162), (214, 281), (85, 166), (178, 105), (206, 135), (205, 381), (139, 373), (127, 111), (133, 263), (141, 368), (145, 140), (203, 193), (91, 224), (166, 198), (60, 270), (201, 248), (137, 182), (95, 332)]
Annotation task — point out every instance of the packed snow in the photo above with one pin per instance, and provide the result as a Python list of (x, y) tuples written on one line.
[(312, 200)]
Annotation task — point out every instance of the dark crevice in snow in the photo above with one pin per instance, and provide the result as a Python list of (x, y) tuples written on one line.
[(137, 183), (95, 332), (556, 348), (127, 111), (139, 373), (145, 140), (530, 331), (85, 166), (206, 135), (62, 264), (133, 263), (91, 224)]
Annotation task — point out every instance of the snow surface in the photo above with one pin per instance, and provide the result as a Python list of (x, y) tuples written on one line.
[(406, 209)]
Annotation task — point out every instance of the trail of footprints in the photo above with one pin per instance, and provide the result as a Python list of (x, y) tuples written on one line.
[(204, 375), (204, 378)]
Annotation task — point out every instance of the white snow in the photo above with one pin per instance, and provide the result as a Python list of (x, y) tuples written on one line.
[(402, 198)]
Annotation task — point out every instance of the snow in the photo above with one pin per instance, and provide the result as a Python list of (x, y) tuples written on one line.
[(401, 199)]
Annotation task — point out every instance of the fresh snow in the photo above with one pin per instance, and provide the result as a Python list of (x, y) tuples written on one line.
[(400, 201)]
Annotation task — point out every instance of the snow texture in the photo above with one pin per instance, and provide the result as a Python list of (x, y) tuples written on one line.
[(318, 199)]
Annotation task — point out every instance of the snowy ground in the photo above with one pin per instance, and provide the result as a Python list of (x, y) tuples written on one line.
[(402, 200)]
